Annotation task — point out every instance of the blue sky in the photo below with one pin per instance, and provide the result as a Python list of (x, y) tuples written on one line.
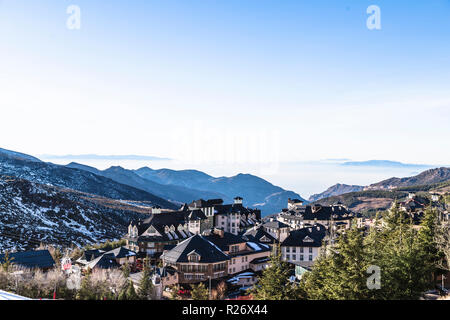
[(206, 79)]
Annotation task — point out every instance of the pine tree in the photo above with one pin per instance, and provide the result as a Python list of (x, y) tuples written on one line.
[(427, 240), (274, 284), (341, 273), (86, 291), (399, 252), (145, 290), (128, 292)]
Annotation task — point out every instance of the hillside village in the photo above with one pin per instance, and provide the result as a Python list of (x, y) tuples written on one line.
[(219, 249), (57, 219)]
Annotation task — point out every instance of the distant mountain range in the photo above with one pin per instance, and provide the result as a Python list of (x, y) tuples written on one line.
[(40, 172), (430, 176), (384, 163), (257, 192), (167, 188), (173, 193), (379, 196)]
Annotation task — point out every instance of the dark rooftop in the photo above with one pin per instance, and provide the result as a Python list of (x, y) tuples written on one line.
[(209, 253), (41, 259)]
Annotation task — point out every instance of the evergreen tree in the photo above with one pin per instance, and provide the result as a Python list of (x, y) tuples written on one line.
[(274, 284), (342, 272), (431, 255), (128, 292), (199, 292), (126, 270), (86, 291), (145, 290), (402, 257)]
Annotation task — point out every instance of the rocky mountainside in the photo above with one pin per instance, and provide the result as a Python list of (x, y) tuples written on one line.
[(380, 196), (428, 177), (256, 191), (361, 201), (335, 190), (76, 179), (431, 176), (31, 213)]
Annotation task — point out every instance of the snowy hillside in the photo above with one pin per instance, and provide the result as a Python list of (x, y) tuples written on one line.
[(31, 213)]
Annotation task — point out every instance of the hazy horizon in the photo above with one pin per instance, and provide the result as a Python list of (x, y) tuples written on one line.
[(305, 177)]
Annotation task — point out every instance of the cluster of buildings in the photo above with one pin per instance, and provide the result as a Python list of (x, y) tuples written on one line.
[(208, 240)]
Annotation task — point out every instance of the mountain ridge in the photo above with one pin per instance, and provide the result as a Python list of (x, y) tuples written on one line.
[(256, 191), (76, 179), (335, 190)]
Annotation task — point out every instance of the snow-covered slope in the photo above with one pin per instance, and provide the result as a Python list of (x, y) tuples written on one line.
[(31, 213)]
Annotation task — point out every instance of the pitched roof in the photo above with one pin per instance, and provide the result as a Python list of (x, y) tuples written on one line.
[(260, 260), (103, 262), (224, 242), (41, 259), (160, 221), (120, 252), (89, 255), (275, 225), (258, 234), (306, 237), (209, 253)]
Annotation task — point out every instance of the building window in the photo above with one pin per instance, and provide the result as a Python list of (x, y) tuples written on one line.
[(288, 249), (288, 257), (301, 250), (294, 257), (310, 250), (310, 257), (301, 257)]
